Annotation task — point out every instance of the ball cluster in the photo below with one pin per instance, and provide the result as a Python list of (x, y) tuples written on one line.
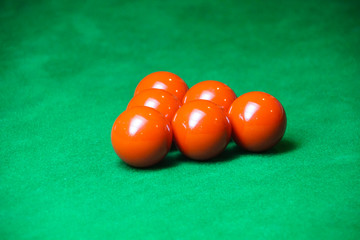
[(200, 121)]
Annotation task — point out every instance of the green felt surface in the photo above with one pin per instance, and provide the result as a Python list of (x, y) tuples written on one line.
[(68, 69)]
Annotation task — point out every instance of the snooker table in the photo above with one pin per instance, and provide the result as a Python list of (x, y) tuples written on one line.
[(69, 68)]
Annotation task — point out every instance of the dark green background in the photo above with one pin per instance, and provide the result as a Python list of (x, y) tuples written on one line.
[(68, 69)]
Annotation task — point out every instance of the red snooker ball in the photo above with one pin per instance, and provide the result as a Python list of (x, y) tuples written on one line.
[(214, 91), (163, 80), (258, 121), (201, 129), (160, 100), (141, 136)]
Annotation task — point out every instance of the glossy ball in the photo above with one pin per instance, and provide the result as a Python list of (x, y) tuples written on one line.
[(160, 100), (141, 136), (258, 121), (163, 80), (201, 129), (214, 91)]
